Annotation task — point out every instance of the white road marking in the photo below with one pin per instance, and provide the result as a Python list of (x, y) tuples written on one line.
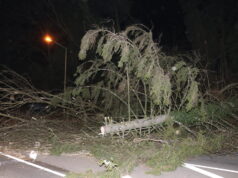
[(201, 171), (214, 168), (33, 165), (126, 176)]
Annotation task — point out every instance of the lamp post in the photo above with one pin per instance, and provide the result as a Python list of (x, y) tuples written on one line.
[(49, 39)]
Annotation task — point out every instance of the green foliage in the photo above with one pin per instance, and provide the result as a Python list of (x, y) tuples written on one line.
[(169, 157), (222, 110), (108, 164), (126, 154), (209, 112), (161, 89), (130, 67), (160, 157), (192, 96), (87, 41)]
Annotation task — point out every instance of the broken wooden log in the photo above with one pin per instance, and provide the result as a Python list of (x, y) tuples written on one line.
[(135, 124)]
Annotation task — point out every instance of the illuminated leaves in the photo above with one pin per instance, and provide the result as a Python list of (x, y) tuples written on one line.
[(133, 52)]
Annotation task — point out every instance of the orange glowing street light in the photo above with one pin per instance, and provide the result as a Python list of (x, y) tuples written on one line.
[(49, 40)]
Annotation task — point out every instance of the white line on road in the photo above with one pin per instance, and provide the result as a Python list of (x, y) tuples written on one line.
[(33, 165), (214, 168), (194, 168)]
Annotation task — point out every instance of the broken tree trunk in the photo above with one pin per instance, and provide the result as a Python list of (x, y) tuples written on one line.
[(135, 124)]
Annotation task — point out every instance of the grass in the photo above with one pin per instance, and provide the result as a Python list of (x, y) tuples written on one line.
[(159, 157), (59, 148), (169, 157), (126, 153), (91, 174)]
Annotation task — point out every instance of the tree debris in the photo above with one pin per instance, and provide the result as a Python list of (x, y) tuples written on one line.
[(135, 124)]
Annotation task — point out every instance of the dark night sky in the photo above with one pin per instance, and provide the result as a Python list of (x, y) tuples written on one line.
[(24, 22)]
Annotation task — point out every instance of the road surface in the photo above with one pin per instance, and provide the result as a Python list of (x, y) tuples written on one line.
[(223, 166), (10, 168)]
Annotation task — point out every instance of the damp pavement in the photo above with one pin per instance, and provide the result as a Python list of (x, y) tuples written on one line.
[(48, 166)]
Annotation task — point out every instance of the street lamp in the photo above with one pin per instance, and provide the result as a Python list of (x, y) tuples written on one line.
[(49, 40)]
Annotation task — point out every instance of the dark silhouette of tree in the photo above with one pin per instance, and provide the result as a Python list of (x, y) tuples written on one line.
[(212, 28)]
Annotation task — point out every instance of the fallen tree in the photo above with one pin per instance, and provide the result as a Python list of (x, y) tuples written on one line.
[(137, 79), (21, 102), (135, 124)]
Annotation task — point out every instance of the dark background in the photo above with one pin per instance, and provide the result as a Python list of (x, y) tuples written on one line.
[(207, 26)]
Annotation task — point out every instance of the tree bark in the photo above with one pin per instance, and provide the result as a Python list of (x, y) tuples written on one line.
[(135, 124)]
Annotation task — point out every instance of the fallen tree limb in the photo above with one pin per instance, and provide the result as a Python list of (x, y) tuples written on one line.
[(18, 94), (12, 127), (13, 117), (135, 124)]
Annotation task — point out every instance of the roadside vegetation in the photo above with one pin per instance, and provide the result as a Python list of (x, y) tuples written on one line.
[(123, 77)]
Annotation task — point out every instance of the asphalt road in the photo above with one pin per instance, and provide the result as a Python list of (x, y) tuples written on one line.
[(224, 166), (10, 168), (214, 166)]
